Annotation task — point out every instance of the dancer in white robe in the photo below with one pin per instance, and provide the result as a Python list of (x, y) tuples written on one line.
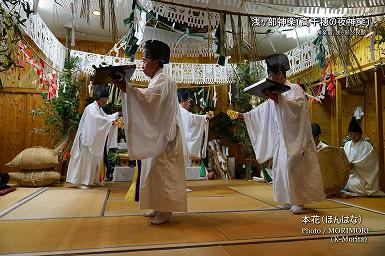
[(88, 148), (153, 134), (316, 131), (363, 179), (280, 129), (195, 129)]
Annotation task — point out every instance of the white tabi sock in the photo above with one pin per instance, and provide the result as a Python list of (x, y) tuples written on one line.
[(297, 209), (151, 214), (160, 218)]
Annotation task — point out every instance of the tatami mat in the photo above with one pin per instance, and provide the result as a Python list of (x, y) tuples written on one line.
[(281, 223), (15, 196), (61, 203), (122, 207), (219, 228), (374, 247), (204, 198), (88, 233), (226, 203), (194, 204), (258, 191), (117, 194), (221, 221), (118, 190), (365, 202), (120, 193), (217, 183), (204, 251), (211, 191), (264, 193)]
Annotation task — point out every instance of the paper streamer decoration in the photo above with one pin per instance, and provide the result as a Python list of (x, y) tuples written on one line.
[(266, 175), (133, 192), (203, 170)]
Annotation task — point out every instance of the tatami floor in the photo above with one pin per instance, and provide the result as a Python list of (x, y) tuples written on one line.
[(233, 217)]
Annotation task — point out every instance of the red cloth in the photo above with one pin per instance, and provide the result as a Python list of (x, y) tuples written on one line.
[(5, 191)]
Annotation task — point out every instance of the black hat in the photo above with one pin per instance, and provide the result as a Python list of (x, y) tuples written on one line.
[(354, 126), (101, 91), (183, 94), (277, 62), (315, 129), (157, 50)]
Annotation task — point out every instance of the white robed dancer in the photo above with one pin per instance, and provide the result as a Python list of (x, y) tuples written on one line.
[(280, 129), (195, 128), (153, 133), (88, 148)]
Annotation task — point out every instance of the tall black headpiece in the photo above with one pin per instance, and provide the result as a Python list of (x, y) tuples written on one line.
[(354, 126), (157, 50), (315, 129), (101, 91), (183, 94), (277, 62)]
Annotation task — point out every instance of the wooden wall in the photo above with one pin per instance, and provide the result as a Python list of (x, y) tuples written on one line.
[(92, 46), (17, 123), (21, 94), (381, 111), (18, 98), (322, 115)]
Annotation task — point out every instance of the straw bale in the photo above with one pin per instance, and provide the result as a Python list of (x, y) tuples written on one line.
[(35, 158), (38, 178)]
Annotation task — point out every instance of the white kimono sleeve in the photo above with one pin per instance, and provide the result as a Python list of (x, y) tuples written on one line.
[(194, 130), (260, 123), (149, 118), (366, 166), (112, 139), (293, 113), (95, 130)]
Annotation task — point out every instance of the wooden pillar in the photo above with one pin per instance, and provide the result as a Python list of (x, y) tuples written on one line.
[(379, 127), (372, 43), (338, 115), (68, 36)]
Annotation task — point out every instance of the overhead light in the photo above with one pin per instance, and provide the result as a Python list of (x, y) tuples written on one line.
[(43, 5), (301, 32), (96, 13)]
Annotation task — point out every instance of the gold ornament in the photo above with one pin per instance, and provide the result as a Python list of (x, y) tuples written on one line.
[(119, 122), (232, 114)]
